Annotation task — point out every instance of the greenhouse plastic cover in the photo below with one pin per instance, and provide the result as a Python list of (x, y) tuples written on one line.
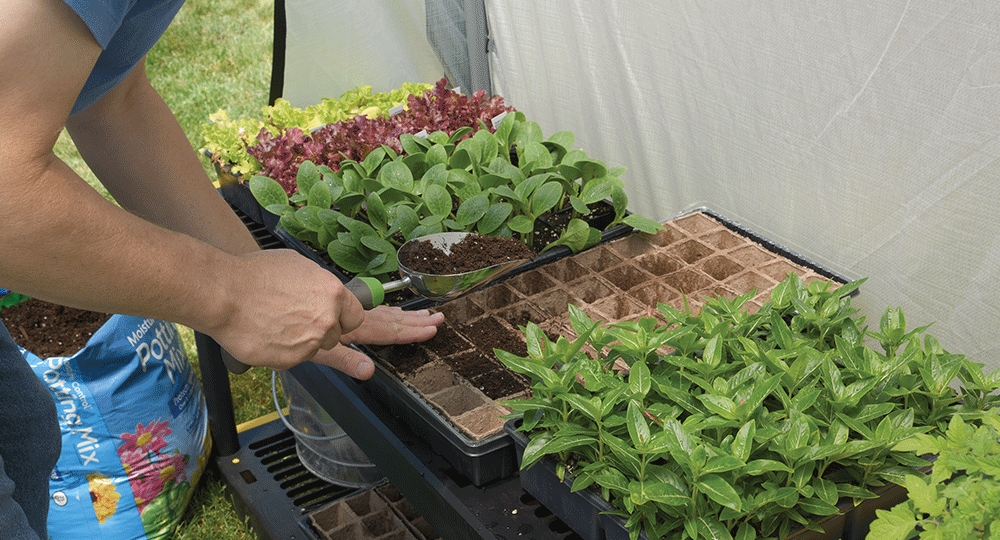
[(862, 135)]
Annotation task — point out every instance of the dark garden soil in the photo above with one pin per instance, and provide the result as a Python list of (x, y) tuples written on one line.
[(50, 330), (474, 252)]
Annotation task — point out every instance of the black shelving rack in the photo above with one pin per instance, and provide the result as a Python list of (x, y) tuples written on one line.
[(275, 491)]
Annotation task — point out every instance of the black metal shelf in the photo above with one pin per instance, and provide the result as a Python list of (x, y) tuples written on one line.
[(274, 490)]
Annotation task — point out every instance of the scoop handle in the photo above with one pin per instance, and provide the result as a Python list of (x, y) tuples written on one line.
[(371, 292)]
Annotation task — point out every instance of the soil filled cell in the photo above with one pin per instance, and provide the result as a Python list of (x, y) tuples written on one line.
[(500, 384), (721, 267), (447, 341), (470, 364), (488, 333), (406, 358)]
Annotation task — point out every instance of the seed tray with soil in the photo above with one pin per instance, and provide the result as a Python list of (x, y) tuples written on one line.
[(697, 255)]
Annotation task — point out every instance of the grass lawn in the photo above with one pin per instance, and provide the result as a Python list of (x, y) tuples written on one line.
[(216, 54)]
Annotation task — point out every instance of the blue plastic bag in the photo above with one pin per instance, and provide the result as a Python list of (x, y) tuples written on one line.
[(134, 432)]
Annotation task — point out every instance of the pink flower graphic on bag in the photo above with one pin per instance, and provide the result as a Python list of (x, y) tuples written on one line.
[(149, 471)]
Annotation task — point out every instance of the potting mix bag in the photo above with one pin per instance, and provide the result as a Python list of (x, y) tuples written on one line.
[(134, 432)]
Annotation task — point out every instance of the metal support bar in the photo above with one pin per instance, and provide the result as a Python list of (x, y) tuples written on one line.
[(338, 395), (477, 40), (218, 395)]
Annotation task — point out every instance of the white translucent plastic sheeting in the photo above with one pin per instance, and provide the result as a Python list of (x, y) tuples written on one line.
[(863, 135), (337, 45)]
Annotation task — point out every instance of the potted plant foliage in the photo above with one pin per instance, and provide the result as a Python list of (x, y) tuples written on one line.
[(732, 424), (960, 498), (466, 181)]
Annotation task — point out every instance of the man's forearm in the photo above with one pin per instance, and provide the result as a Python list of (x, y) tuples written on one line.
[(135, 146)]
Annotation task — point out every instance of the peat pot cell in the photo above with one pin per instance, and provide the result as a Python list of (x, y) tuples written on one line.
[(696, 223), (333, 517), (458, 399), (565, 270), (433, 378), (632, 246), (483, 421), (531, 283), (721, 267), (497, 296), (520, 314), (668, 236), (748, 281), (752, 255), (625, 276), (659, 263), (693, 251), (716, 290), (460, 309), (366, 503), (617, 309), (687, 281), (592, 290), (780, 269), (597, 259), (554, 303), (723, 239), (652, 294), (386, 526), (405, 508)]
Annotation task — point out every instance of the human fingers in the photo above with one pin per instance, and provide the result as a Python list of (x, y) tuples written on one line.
[(393, 325), (347, 360)]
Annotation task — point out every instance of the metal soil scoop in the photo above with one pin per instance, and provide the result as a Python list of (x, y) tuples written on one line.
[(371, 292)]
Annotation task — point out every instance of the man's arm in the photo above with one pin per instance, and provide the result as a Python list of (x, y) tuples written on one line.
[(61, 241)]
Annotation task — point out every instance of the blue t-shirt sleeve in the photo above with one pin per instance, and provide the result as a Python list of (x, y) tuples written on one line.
[(126, 30)]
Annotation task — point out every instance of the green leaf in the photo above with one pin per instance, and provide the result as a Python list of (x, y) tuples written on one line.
[(306, 177), (743, 443), (268, 192), (377, 216), (521, 224), (894, 524), (712, 529), (719, 491), (472, 210), (817, 507), (545, 197), (639, 380), (722, 464), (495, 216), (437, 199), (397, 175), (664, 493), (638, 429), (319, 196), (719, 405)]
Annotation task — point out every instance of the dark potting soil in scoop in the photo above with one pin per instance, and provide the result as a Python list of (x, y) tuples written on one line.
[(49, 330), (474, 252)]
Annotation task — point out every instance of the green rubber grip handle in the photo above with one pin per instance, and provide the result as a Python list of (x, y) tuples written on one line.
[(367, 290)]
